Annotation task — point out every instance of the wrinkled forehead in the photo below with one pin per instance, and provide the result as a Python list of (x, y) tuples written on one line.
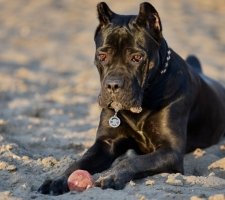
[(119, 37), (123, 32)]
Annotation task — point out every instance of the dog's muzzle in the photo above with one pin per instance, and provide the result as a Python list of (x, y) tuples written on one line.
[(118, 95)]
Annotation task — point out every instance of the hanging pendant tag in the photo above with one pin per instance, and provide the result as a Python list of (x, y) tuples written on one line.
[(114, 121)]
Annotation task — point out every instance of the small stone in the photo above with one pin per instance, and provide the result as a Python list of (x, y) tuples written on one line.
[(6, 194), (142, 197), (222, 147), (212, 174), (173, 181), (11, 168), (217, 197), (2, 122), (197, 198), (25, 158), (9, 147), (220, 164), (150, 182), (14, 156), (3, 165), (132, 183), (49, 161), (198, 153), (164, 174)]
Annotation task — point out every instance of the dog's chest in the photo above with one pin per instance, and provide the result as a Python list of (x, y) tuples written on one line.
[(144, 142), (143, 133)]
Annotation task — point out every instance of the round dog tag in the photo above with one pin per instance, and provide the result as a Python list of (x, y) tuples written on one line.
[(114, 121)]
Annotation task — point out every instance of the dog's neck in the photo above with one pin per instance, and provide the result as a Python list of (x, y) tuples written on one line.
[(164, 57), (162, 63), (164, 60)]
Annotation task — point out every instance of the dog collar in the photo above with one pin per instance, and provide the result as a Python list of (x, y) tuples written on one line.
[(168, 57)]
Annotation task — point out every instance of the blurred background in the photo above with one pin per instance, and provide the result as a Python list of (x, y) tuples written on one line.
[(49, 84)]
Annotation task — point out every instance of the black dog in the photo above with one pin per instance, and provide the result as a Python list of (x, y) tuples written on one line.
[(155, 106)]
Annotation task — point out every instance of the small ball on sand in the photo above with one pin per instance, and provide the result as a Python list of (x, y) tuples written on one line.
[(80, 180)]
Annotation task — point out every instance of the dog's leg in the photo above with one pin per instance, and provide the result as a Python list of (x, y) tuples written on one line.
[(96, 159), (137, 166)]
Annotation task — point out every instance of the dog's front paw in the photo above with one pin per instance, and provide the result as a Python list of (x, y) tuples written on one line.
[(113, 180), (116, 178), (54, 187)]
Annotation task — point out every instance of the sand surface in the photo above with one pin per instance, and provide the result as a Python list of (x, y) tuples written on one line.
[(49, 88)]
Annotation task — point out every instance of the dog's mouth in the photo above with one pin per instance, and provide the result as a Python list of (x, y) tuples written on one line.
[(118, 106), (128, 101)]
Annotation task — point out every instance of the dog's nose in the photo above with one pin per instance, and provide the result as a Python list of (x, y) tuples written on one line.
[(113, 84)]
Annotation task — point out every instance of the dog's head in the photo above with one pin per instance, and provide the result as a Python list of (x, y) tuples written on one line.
[(126, 52)]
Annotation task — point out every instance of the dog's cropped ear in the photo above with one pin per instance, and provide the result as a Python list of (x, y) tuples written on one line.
[(148, 18), (105, 15)]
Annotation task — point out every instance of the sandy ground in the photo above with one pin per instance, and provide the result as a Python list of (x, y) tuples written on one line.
[(49, 88)]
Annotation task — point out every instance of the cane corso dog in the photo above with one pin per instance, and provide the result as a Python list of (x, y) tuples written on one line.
[(155, 106)]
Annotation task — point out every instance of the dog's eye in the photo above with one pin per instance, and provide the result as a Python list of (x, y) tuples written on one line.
[(136, 58), (102, 57)]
